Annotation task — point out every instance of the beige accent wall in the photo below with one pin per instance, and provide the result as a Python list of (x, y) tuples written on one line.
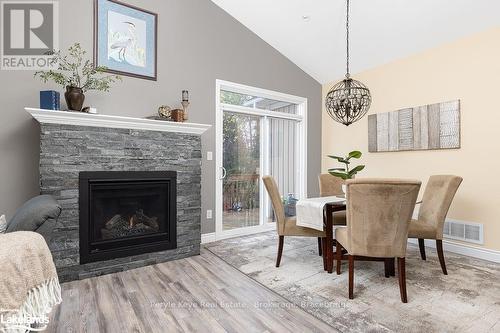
[(467, 69)]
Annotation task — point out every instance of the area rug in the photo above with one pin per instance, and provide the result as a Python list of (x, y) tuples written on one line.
[(466, 300)]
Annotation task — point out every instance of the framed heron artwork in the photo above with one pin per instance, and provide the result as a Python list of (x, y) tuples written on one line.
[(125, 39)]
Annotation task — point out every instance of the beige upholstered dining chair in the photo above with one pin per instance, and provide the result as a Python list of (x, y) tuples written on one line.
[(378, 215), (286, 226), (438, 195), (332, 186)]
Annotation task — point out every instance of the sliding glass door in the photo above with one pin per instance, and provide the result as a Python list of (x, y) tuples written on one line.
[(282, 155), (241, 167), (259, 133)]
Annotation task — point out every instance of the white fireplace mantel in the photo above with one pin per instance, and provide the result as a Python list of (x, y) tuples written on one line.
[(100, 120)]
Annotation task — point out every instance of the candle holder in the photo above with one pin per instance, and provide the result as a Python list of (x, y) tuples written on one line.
[(185, 103)]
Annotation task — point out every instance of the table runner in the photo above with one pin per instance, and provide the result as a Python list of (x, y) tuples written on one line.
[(310, 211)]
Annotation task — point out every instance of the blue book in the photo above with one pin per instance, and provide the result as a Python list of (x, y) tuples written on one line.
[(50, 100)]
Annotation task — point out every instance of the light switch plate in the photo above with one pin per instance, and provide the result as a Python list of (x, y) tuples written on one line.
[(209, 156), (209, 213)]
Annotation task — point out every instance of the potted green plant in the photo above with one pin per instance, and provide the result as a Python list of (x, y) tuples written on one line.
[(346, 172), (77, 75)]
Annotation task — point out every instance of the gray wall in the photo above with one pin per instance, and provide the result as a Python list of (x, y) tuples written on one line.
[(197, 43)]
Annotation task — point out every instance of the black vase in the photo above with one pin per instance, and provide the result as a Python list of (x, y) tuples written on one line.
[(74, 98)]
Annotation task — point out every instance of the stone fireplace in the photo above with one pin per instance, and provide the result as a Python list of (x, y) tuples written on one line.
[(124, 213), (143, 178)]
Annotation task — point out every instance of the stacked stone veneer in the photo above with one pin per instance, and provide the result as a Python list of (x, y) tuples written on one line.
[(65, 150)]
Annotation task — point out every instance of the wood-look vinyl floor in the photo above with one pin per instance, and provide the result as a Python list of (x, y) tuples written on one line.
[(197, 294)]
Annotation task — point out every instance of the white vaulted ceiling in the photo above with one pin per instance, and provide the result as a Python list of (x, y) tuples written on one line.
[(381, 30)]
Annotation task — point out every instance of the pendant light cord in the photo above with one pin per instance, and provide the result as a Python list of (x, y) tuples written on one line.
[(347, 75), (348, 100)]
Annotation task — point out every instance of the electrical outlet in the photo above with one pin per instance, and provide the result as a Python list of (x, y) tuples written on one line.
[(209, 213), (209, 156)]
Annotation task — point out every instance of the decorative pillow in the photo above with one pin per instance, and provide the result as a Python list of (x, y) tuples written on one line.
[(34, 213), (3, 224)]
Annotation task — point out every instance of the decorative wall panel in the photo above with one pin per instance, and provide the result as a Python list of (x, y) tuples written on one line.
[(433, 126)]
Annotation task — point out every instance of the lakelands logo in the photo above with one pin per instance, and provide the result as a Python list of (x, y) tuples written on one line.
[(29, 31), (23, 324)]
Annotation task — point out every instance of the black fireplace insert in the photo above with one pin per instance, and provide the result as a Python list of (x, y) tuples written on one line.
[(125, 213)]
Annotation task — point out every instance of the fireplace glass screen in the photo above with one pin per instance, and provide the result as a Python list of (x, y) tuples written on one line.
[(128, 210), (126, 213)]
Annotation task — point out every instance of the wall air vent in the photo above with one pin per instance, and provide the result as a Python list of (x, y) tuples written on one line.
[(464, 231)]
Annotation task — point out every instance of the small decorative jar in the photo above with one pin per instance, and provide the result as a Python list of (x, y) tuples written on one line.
[(177, 115)]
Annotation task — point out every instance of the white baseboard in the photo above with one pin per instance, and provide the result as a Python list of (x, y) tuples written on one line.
[(467, 250), (208, 238), (212, 237)]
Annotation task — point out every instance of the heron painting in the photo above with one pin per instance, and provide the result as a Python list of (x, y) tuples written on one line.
[(125, 39)]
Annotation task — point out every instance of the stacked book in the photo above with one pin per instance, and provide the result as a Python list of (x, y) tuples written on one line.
[(50, 100)]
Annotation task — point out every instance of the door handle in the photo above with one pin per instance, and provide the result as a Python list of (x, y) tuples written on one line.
[(224, 173)]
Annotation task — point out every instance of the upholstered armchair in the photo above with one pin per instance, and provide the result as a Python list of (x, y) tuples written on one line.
[(285, 226), (378, 215), (437, 199)]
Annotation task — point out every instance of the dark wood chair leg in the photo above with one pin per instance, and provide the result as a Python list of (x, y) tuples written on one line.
[(439, 248), (280, 250), (351, 276), (323, 248), (402, 279), (421, 245), (320, 251), (338, 256), (392, 267), (387, 267)]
